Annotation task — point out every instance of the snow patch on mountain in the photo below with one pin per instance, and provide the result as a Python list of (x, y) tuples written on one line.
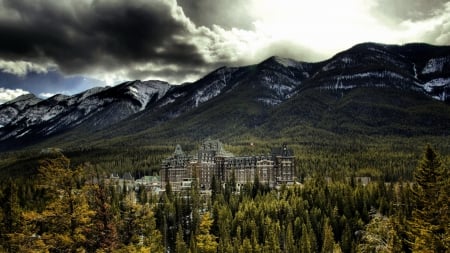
[(38, 114), (281, 85), (339, 62), (91, 92), (144, 91), (429, 86), (344, 86), (270, 101), (213, 89), (441, 97), (7, 114), (346, 82), (24, 100), (378, 50), (435, 65), (281, 90), (177, 95), (209, 92), (53, 112), (91, 104), (382, 74), (170, 99), (22, 134), (166, 102), (415, 71), (286, 62), (58, 98)]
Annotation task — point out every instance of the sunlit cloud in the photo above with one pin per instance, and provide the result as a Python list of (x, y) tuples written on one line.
[(46, 95), (10, 94), (21, 68)]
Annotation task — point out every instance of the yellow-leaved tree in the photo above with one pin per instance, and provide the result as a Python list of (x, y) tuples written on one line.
[(206, 242), (65, 221)]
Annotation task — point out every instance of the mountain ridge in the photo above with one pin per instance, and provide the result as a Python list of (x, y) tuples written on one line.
[(240, 99)]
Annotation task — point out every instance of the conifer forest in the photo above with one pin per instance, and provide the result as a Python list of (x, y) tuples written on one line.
[(68, 206)]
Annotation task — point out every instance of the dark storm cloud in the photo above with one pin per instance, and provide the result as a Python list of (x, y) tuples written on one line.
[(227, 14), (82, 36)]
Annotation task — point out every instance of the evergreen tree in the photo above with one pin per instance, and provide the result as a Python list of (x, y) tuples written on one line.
[(328, 237), (246, 246), (346, 239), (306, 245), (215, 188), (429, 225), (66, 220), (103, 234), (290, 242), (10, 215), (138, 227), (180, 244), (205, 241)]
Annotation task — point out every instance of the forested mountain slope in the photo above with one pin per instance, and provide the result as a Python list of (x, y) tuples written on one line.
[(368, 89)]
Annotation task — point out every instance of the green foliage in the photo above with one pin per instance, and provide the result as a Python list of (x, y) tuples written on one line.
[(103, 234), (205, 241), (327, 237), (76, 215), (64, 222), (70, 207), (180, 244), (429, 225)]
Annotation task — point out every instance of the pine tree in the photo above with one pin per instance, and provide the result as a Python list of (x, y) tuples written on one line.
[(10, 215), (180, 244), (103, 234), (64, 223), (138, 227), (215, 188), (429, 229), (205, 241), (272, 236), (290, 242), (306, 245), (346, 239), (246, 246), (328, 237)]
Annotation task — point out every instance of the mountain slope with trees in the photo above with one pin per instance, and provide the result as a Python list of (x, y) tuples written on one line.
[(370, 89)]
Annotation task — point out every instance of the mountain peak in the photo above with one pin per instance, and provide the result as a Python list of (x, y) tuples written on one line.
[(30, 97), (283, 61), (242, 97), (286, 62), (58, 97), (91, 92)]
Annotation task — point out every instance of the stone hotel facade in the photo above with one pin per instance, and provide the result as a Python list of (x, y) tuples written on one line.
[(213, 160)]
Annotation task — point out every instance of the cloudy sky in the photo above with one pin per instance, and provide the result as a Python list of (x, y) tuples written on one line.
[(67, 46)]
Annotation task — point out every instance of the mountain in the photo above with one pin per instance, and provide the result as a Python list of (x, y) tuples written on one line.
[(367, 89), (31, 119)]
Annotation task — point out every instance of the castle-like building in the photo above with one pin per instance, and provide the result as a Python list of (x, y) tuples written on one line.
[(213, 160)]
